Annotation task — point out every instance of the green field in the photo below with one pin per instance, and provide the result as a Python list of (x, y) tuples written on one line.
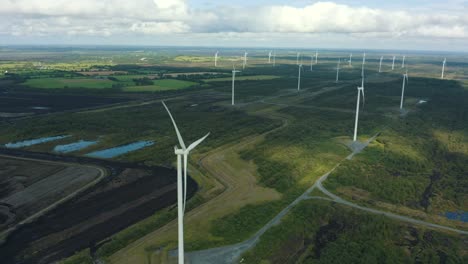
[(59, 83), (160, 85), (244, 78)]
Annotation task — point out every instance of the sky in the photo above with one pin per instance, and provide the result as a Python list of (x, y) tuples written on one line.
[(343, 24)]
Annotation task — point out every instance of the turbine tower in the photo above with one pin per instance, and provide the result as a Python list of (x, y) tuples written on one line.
[(245, 60), (350, 60), (297, 58), (405, 80), (216, 58), (182, 189), (233, 80), (311, 63), (393, 63), (443, 68), (380, 65), (338, 71), (360, 90), (299, 78), (269, 57), (403, 61), (316, 57)]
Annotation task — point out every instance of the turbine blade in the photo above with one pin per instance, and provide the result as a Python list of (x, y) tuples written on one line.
[(196, 143), (179, 137)]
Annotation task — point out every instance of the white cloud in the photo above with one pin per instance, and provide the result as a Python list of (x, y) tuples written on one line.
[(152, 17), (160, 27)]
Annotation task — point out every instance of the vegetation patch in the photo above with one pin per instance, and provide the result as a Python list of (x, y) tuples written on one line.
[(160, 85), (59, 83), (318, 232), (244, 78)]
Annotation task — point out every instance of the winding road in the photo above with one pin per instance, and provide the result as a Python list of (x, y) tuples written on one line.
[(231, 254)]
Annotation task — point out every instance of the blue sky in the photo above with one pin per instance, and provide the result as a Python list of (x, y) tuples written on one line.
[(357, 24)]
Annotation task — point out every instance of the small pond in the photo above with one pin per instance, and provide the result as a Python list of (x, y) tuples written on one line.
[(75, 146), (120, 150), (459, 216), (31, 142)]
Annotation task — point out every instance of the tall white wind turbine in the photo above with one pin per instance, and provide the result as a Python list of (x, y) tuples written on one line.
[(216, 58), (338, 71), (403, 61), (393, 63), (443, 68), (360, 90), (297, 58), (299, 78), (182, 152), (233, 81), (269, 57), (405, 80), (245, 60), (350, 60), (380, 65)]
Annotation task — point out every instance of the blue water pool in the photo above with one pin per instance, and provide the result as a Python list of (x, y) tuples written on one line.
[(120, 150), (75, 146), (459, 215), (31, 142)]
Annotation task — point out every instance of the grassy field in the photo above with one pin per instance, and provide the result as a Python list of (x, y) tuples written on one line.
[(59, 83), (244, 78), (160, 85)]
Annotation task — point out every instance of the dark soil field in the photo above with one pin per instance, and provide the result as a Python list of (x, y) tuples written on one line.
[(28, 186), (131, 193), (14, 102)]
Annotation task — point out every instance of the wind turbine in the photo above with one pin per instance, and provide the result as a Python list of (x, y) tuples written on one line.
[(403, 61), (299, 78), (216, 58), (297, 58), (233, 80), (393, 63), (182, 197), (360, 90), (363, 63), (405, 80), (338, 71), (380, 66), (316, 57), (350, 60), (269, 57), (245, 60), (311, 63), (443, 68)]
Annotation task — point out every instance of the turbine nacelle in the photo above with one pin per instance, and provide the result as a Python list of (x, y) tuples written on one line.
[(361, 90)]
